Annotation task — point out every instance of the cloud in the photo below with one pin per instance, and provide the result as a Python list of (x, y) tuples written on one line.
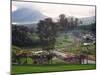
[(53, 10)]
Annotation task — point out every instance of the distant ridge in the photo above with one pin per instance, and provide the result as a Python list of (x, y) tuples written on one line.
[(87, 20), (26, 15)]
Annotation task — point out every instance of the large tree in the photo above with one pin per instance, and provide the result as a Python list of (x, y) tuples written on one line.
[(47, 32)]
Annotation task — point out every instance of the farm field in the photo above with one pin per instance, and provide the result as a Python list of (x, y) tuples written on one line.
[(24, 69)]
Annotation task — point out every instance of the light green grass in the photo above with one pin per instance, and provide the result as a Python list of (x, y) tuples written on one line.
[(22, 69)]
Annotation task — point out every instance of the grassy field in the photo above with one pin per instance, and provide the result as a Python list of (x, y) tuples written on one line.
[(22, 69)]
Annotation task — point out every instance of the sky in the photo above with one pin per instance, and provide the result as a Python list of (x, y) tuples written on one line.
[(54, 10), (89, 2)]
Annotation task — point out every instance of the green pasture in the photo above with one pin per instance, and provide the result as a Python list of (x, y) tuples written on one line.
[(22, 69)]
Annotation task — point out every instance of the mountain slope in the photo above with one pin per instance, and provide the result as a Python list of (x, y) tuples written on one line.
[(26, 15)]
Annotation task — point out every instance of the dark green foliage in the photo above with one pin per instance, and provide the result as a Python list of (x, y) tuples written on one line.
[(47, 32), (66, 23), (91, 27), (21, 36)]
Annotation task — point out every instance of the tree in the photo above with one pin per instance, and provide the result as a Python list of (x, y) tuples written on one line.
[(76, 22), (47, 32), (66, 24), (63, 22), (20, 36)]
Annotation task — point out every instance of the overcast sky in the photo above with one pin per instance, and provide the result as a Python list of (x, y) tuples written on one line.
[(89, 2), (53, 10)]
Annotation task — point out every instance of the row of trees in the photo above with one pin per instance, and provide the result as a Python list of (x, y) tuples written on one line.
[(66, 24), (47, 30)]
